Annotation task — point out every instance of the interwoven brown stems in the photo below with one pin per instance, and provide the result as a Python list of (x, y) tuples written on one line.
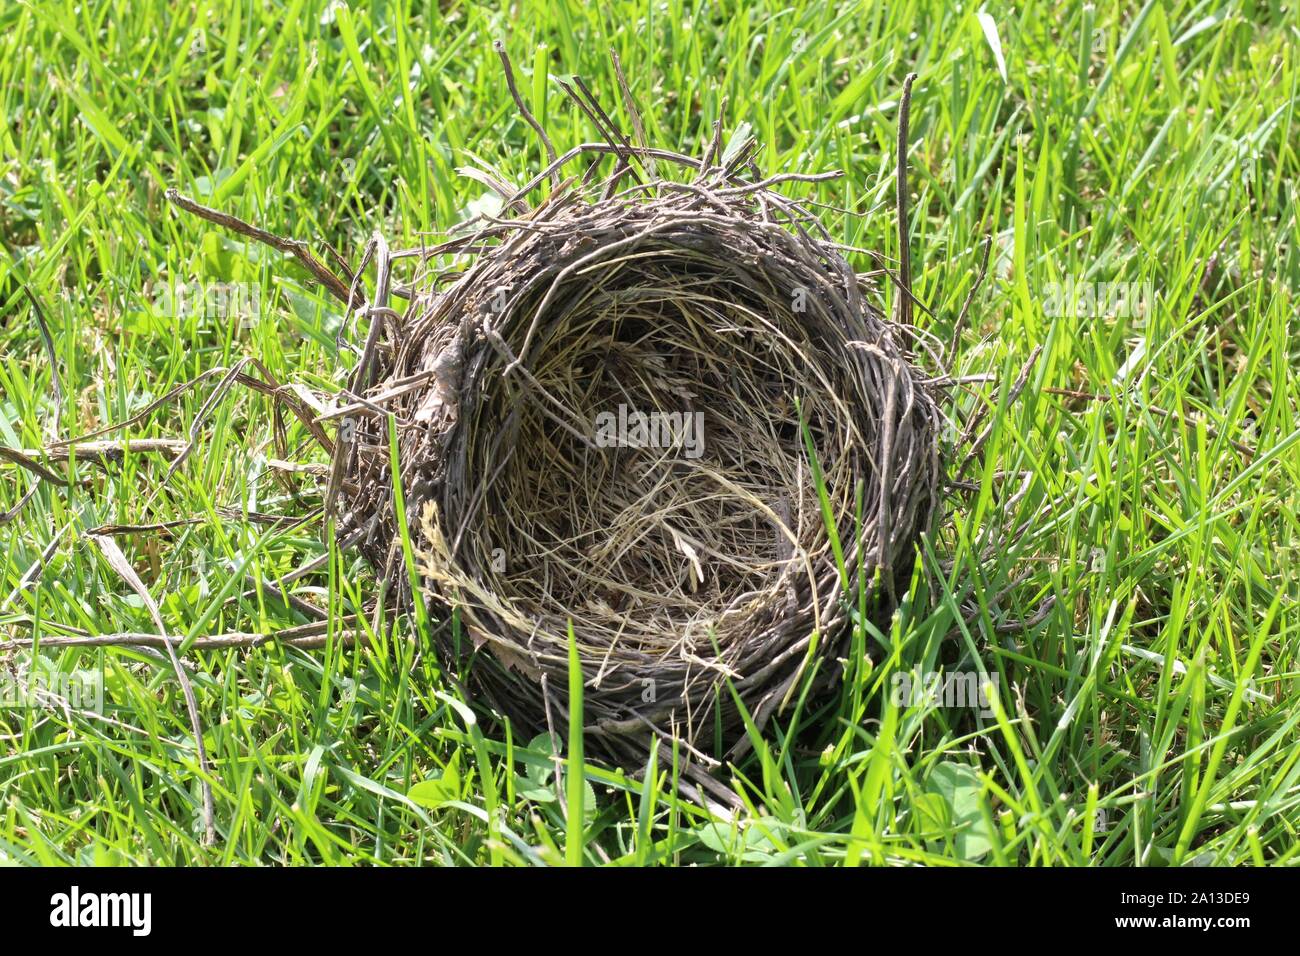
[(684, 564)]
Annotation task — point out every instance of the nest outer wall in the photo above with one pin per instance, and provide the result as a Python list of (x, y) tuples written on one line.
[(686, 567)]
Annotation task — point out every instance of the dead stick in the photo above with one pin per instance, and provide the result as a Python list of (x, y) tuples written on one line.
[(904, 255), (294, 247), (232, 639), (112, 450), (970, 297), (523, 109)]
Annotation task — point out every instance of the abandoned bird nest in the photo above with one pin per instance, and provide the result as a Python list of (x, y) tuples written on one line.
[(654, 412), (609, 411)]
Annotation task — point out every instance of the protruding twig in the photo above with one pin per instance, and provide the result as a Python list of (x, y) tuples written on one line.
[(23, 460), (12, 513), (361, 376), (145, 412), (305, 637), (970, 297), (904, 310), (586, 101), (293, 247), (714, 152), (633, 112), (523, 109), (106, 451)]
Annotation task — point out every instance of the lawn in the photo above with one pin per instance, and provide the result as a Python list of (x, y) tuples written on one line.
[(1117, 565)]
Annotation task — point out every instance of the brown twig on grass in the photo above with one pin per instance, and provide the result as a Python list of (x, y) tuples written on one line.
[(304, 637), (299, 250), (960, 323)]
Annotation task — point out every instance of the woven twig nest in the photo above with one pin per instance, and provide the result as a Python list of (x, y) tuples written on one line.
[(609, 411)]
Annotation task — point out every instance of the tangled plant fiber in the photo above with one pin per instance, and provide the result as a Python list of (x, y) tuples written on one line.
[(614, 414)]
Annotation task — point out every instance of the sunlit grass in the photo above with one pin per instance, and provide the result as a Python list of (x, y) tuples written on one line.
[(1148, 716)]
